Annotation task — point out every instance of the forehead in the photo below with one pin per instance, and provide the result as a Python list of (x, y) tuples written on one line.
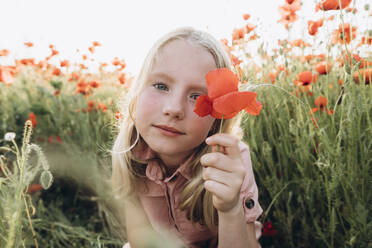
[(183, 60)]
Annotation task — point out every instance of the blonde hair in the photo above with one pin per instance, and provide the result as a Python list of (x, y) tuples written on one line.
[(127, 172)]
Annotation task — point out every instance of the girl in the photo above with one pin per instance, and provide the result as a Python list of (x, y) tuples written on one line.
[(174, 186)]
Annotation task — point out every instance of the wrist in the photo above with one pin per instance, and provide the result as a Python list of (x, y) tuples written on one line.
[(235, 210)]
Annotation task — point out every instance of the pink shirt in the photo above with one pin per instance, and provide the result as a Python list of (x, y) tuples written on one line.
[(162, 200)]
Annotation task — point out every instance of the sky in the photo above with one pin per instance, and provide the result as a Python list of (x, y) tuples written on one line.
[(127, 29)]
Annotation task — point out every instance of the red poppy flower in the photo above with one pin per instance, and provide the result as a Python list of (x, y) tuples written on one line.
[(34, 188), (332, 5), (306, 77), (268, 229), (323, 67), (313, 26), (246, 16), (32, 118), (288, 12), (96, 43), (4, 52), (321, 102), (6, 76), (224, 99), (58, 138), (65, 63), (29, 44), (344, 32), (365, 74)]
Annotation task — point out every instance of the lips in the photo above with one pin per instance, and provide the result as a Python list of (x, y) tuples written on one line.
[(169, 129)]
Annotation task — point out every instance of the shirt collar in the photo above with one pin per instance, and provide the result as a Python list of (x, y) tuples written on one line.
[(154, 169)]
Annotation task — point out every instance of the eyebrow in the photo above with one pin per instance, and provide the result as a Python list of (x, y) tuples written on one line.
[(171, 80)]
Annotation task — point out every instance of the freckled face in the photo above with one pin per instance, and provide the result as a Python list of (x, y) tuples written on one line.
[(164, 113)]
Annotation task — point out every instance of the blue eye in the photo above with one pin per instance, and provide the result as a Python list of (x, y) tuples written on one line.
[(194, 96), (160, 86)]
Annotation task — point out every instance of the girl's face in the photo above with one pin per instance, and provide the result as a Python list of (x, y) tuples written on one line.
[(164, 113)]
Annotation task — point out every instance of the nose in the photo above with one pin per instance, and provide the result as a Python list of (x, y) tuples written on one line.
[(174, 107)]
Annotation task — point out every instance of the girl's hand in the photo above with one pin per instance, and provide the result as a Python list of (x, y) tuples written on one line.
[(223, 171)]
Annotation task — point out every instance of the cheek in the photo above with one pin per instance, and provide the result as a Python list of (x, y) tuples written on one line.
[(203, 125), (146, 104)]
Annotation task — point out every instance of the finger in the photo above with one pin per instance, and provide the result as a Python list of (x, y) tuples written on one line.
[(230, 143), (218, 148), (220, 176), (216, 160), (218, 189)]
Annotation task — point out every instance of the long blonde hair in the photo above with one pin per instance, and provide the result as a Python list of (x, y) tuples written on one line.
[(127, 172)]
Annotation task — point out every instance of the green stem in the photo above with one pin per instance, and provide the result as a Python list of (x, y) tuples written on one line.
[(220, 131)]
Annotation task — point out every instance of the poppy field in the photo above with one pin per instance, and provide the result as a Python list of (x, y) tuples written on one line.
[(311, 144)]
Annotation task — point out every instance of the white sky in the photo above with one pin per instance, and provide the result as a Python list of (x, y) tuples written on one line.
[(127, 29)]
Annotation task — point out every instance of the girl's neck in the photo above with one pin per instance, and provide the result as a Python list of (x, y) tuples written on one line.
[(172, 163)]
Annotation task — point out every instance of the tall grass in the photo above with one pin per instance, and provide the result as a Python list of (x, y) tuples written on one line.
[(314, 170)]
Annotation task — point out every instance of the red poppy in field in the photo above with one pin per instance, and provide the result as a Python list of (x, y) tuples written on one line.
[(268, 229), (365, 74), (58, 138), (32, 188), (118, 116), (56, 72), (94, 84), (91, 49), (122, 78), (272, 76), (224, 99), (288, 12), (26, 62), (238, 33), (249, 27), (246, 16), (364, 41), (307, 77), (96, 43), (353, 10), (116, 61), (344, 32), (321, 102), (65, 63), (282, 68), (4, 52), (299, 43), (83, 66), (313, 26), (102, 107), (253, 37), (6, 75), (54, 52), (332, 5), (323, 67), (29, 44), (32, 118), (74, 76)]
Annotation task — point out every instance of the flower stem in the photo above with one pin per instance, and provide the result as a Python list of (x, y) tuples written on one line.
[(220, 131)]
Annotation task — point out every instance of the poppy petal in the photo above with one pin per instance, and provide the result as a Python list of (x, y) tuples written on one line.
[(254, 108), (217, 115), (237, 101), (220, 82), (203, 106)]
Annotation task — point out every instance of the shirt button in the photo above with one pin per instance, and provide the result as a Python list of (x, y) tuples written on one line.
[(249, 203)]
